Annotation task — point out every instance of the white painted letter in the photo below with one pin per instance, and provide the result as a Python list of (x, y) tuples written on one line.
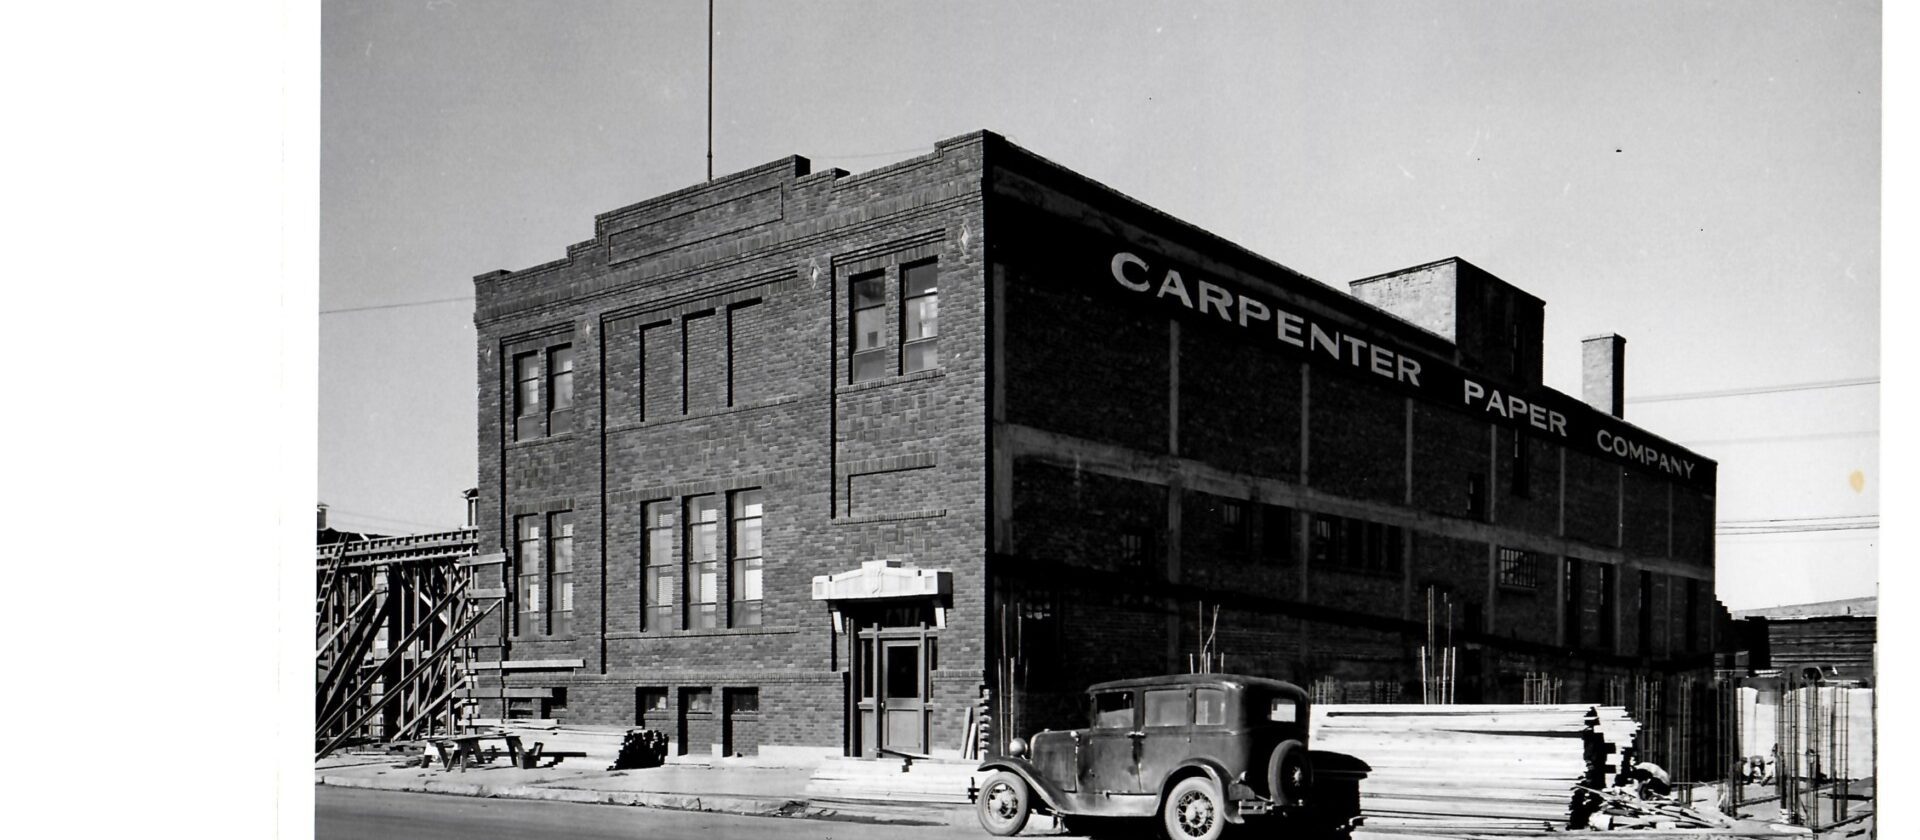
[(1255, 309), (1174, 285), (1120, 261)]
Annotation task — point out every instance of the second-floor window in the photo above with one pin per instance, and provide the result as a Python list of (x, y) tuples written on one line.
[(533, 415), (869, 324), (920, 317), (560, 394), (1519, 569)]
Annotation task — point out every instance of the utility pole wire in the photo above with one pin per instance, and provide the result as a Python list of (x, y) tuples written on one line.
[(1761, 389), (393, 305)]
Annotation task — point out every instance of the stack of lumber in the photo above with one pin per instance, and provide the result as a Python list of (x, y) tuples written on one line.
[(1477, 768), (893, 780)]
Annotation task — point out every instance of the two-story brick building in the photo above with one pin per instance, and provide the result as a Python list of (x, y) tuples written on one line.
[(804, 460)]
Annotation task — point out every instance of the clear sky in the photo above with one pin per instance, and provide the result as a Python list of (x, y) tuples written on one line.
[(1700, 177)]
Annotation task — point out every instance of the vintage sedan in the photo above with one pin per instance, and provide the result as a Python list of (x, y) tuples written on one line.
[(1197, 750)]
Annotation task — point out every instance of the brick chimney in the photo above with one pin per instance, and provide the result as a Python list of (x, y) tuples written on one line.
[(1603, 373)]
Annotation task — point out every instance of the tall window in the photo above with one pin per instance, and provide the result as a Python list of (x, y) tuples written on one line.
[(657, 583), (527, 540), (1520, 481), (744, 582), (1235, 529), (1643, 617), (526, 396), (703, 562), (1573, 606), (1476, 497), (920, 317), (1276, 533), (560, 573), (869, 322), (560, 394), (1692, 616), (1609, 583)]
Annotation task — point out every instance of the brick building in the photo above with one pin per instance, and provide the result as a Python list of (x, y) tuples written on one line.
[(798, 460)]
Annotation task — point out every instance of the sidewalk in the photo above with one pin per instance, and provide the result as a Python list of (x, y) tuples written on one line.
[(728, 786)]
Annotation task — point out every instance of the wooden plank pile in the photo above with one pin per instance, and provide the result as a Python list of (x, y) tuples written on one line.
[(599, 745), (1481, 769)]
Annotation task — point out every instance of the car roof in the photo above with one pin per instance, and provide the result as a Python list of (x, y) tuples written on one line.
[(1240, 680)]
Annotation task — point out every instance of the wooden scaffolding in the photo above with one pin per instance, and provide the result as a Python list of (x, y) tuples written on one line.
[(396, 635)]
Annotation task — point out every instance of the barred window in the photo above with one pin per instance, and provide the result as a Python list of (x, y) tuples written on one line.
[(1519, 569), (1357, 545)]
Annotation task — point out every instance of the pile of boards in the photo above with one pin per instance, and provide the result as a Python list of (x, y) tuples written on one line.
[(1623, 809), (1484, 769), (600, 745)]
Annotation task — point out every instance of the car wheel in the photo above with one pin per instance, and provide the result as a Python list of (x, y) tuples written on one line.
[(1288, 773), (1195, 810), (1003, 805)]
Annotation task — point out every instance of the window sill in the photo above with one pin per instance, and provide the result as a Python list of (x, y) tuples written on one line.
[(531, 442), (891, 517), (894, 379)]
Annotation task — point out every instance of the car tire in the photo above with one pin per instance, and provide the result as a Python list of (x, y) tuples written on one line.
[(1289, 774), (1195, 810), (1004, 804)]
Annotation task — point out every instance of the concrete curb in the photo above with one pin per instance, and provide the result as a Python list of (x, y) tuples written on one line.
[(748, 806)]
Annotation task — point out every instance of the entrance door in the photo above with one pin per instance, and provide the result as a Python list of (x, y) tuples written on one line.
[(891, 677), (903, 696)]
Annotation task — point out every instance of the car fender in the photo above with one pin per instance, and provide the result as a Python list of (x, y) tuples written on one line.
[(1047, 791), (1215, 772)]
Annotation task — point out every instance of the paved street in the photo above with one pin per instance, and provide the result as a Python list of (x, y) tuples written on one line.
[(349, 814)]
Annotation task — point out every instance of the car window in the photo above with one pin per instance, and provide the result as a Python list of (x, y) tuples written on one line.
[(1209, 707), (1167, 707), (1284, 710), (1113, 710)]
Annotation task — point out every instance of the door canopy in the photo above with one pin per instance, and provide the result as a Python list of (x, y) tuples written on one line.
[(884, 580)]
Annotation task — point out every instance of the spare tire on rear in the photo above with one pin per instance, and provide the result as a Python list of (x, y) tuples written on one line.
[(1289, 773)]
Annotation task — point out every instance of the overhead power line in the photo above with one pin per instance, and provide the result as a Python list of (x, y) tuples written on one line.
[(394, 305), (1761, 389)]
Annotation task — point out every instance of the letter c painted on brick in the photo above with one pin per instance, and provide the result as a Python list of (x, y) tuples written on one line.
[(1123, 259)]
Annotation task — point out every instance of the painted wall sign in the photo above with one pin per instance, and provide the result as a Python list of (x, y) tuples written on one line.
[(1193, 296)]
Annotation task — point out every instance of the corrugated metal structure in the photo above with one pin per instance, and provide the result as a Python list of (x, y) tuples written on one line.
[(1837, 637)]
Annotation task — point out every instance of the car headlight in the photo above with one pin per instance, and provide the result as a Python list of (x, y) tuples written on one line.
[(1017, 746)]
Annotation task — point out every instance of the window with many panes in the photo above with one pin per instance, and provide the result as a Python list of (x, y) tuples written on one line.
[(1519, 569), (703, 562), (526, 396), (868, 320), (528, 592), (560, 573), (742, 701), (560, 390), (656, 596), (1235, 529), (1356, 545), (919, 317), (748, 510), (650, 706), (533, 415)]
